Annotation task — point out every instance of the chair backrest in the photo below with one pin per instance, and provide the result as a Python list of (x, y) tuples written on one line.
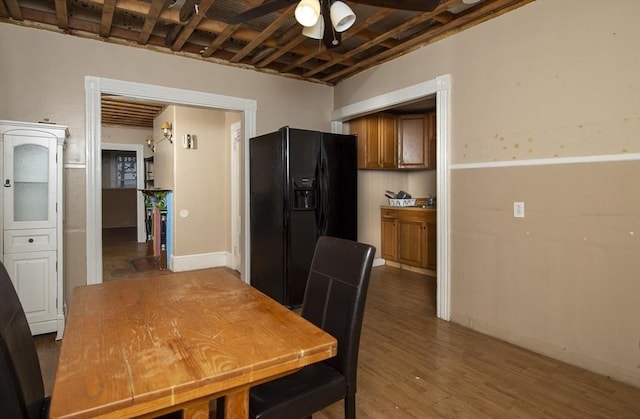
[(21, 387), (335, 297)]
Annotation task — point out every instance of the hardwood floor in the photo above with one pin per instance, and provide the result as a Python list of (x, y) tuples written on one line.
[(413, 365), (119, 248)]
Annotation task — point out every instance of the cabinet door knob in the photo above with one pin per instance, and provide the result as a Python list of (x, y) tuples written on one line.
[(7, 183), (30, 240)]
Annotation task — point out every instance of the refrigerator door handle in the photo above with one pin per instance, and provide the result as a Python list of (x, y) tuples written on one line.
[(324, 195)]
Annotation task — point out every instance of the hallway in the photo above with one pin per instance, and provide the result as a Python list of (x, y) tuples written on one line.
[(119, 249)]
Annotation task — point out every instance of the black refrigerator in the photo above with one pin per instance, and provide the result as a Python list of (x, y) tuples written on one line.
[(303, 185)]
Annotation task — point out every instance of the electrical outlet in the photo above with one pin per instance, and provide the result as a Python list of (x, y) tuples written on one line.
[(518, 210)]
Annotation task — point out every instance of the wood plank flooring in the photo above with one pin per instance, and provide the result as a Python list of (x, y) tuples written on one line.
[(119, 247), (413, 365)]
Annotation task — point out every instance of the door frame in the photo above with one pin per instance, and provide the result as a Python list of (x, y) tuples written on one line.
[(139, 150), (94, 88), (236, 137), (441, 87)]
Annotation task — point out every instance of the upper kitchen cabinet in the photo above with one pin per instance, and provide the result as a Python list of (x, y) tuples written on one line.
[(377, 145), (388, 141), (431, 141)]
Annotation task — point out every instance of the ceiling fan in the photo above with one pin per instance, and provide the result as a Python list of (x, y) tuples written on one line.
[(327, 19)]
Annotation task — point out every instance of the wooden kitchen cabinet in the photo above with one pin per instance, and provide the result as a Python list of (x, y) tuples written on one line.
[(431, 141), (413, 141), (389, 236), (409, 236), (377, 145), (416, 141), (387, 141)]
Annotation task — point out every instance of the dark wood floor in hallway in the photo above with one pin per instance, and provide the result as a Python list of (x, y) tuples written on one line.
[(120, 249), (413, 365)]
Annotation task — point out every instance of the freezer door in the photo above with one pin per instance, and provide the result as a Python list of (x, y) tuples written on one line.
[(267, 203)]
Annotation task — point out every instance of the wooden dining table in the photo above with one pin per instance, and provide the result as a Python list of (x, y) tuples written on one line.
[(146, 347)]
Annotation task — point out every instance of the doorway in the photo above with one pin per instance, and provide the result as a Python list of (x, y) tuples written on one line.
[(123, 218), (441, 88), (94, 88)]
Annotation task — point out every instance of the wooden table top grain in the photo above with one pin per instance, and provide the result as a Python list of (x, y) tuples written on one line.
[(154, 345)]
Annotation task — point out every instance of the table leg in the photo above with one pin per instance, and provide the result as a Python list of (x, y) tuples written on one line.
[(198, 411), (236, 405)]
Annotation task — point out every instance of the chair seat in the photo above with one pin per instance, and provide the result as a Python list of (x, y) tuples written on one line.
[(298, 395)]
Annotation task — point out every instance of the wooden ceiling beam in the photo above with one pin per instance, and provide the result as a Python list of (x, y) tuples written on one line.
[(13, 8), (62, 14), (3, 10), (395, 31), (274, 26), (226, 34), (150, 21), (108, 8), (192, 25), (208, 25)]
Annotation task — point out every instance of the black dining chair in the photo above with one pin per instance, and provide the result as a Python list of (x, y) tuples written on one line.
[(334, 300), (21, 386)]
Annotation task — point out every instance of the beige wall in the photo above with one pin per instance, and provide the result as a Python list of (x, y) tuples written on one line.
[(201, 183), (126, 135), (42, 76), (551, 79)]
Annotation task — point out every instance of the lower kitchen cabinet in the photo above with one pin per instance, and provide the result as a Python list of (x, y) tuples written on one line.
[(409, 236), (389, 225)]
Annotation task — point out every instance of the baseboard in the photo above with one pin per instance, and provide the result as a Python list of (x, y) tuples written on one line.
[(406, 267), (378, 262), (200, 261)]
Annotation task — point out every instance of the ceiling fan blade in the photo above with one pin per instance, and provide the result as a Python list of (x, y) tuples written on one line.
[(413, 5), (259, 11)]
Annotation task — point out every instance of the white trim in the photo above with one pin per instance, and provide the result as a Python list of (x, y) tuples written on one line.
[(236, 137), (75, 166), (441, 87), (138, 148), (385, 101), (378, 261), (201, 261), (443, 141), (94, 87), (604, 158), (249, 132)]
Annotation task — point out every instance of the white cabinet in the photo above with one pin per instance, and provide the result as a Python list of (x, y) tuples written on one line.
[(31, 217)]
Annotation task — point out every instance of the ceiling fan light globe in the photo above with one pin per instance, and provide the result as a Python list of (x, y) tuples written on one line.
[(316, 31), (342, 17), (307, 12)]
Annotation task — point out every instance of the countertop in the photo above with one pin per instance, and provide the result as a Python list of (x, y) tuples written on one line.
[(414, 208)]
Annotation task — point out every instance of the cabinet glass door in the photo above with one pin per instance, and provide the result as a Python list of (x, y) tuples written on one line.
[(29, 187)]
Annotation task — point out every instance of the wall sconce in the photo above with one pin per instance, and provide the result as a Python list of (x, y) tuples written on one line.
[(167, 135)]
